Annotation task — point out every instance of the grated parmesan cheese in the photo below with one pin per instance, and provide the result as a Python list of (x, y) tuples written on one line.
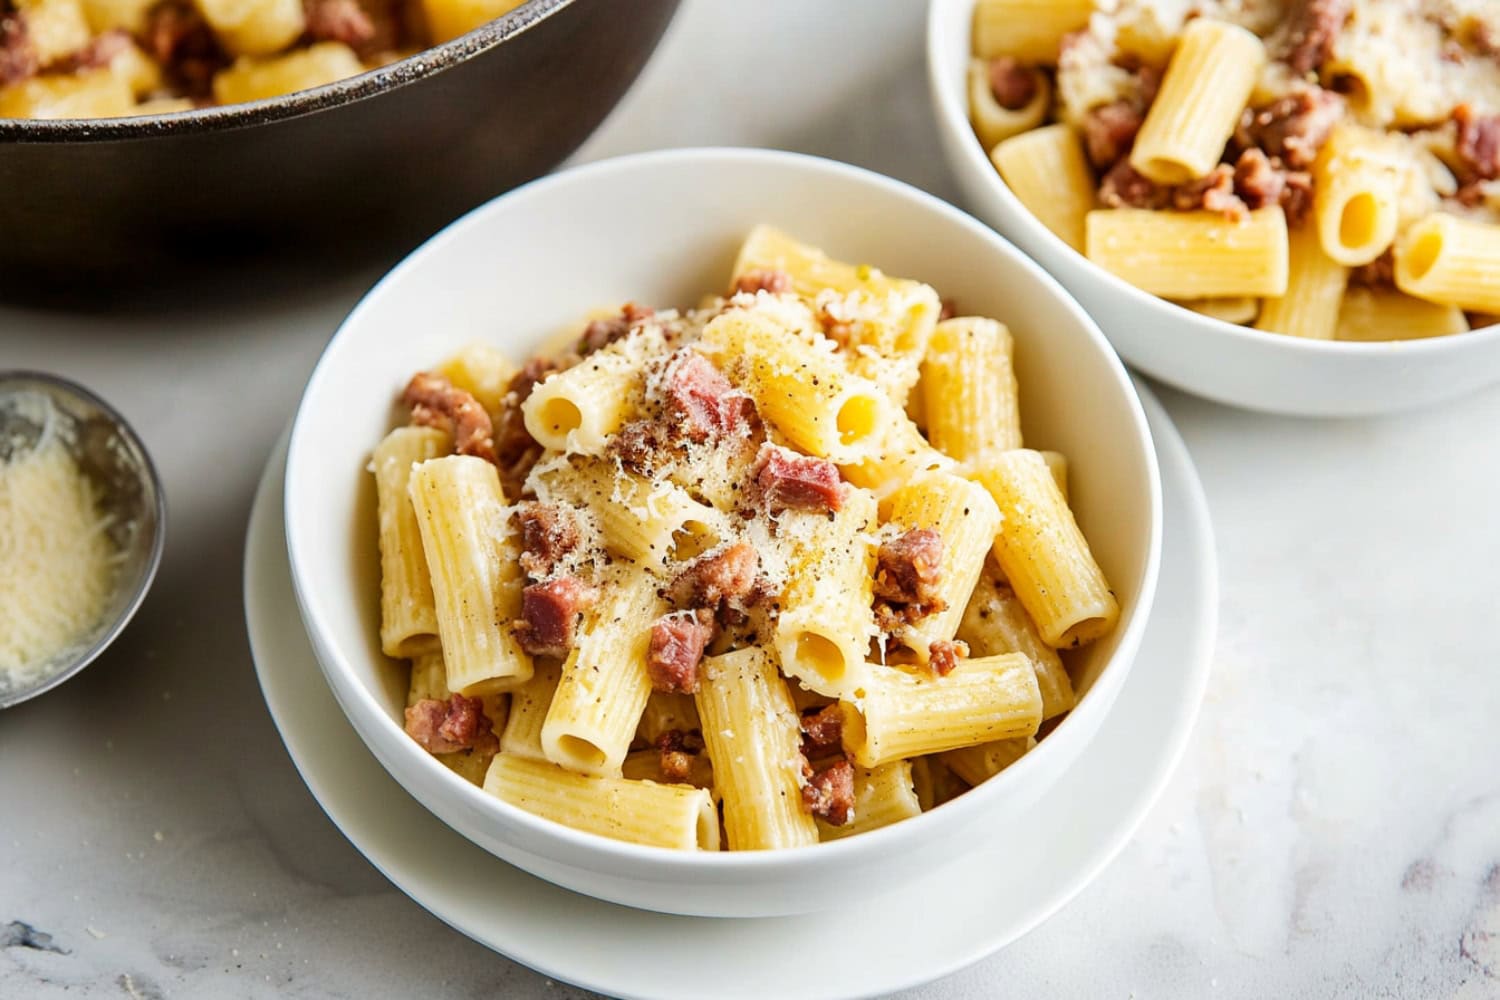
[(57, 564)]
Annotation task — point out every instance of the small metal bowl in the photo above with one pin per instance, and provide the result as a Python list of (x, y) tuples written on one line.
[(110, 454)]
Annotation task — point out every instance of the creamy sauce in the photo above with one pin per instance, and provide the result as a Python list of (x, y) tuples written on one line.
[(57, 563)]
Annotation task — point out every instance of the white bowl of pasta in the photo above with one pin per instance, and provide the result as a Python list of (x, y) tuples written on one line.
[(704, 558), (1307, 258)]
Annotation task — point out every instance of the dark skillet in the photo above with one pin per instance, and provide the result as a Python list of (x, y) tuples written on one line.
[(324, 179)]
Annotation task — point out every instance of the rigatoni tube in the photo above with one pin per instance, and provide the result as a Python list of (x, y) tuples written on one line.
[(1044, 555), (826, 623), (801, 386), (1206, 86), (680, 817), (1047, 172), (1388, 314), (476, 582), (995, 622), (966, 521), (905, 715), (408, 616), (1187, 255), (1314, 289), (604, 686), (882, 796), (969, 390), (1028, 30), (753, 739), (978, 764), (1357, 181), (1453, 261)]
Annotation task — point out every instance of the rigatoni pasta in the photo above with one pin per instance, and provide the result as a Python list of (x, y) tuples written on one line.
[(1027, 30), (1314, 288), (752, 734), (408, 614), (1202, 94), (1044, 554), (699, 590), (118, 58), (460, 511), (1388, 314), (1185, 255), (674, 816), (1047, 171), (1195, 151), (969, 391), (1451, 261), (904, 715)]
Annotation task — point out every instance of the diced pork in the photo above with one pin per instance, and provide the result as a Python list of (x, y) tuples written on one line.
[(516, 451), (943, 656), (1378, 273), (678, 748), (763, 280), (549, 615), (724, 576), (1293, 128), (178, 37), (450, 726), (640, 445), (1297, 196), (339, 21), (909, 568), (436, 402), (18, 58), (603, 332), (1256, 180), (1315, 27), (829, 793), (1124, 187), (676, 650), (822, 731), (785, 480), (548, 533), (700, 400), (1478, 143), (1212, 193), (1109, 131), (1013, 83)]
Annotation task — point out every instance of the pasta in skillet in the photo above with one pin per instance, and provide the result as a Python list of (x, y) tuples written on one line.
[(702, 565), (119, 58), (1276, 163)]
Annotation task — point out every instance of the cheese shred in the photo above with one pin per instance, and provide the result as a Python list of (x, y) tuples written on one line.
[(57, 563)]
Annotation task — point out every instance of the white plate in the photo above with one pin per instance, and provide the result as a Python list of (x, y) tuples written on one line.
[(987, 900)]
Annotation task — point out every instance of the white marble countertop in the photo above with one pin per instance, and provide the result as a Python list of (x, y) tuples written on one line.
[(1334, 829)]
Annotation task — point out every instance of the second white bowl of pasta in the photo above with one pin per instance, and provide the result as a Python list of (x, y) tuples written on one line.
[(1246, 203), (767, 587)]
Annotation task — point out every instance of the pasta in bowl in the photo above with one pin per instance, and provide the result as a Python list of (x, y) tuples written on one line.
[(1258, 206), (701, 560)]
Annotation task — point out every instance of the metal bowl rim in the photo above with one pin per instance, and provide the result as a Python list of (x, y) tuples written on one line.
[(223, 118), (153, 559)]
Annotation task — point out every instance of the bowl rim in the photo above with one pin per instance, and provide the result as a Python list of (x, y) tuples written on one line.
[(642, 859), (227, 117), (149, 568), (954, 118)]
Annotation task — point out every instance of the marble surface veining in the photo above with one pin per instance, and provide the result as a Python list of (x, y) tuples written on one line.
[(1334, 830)]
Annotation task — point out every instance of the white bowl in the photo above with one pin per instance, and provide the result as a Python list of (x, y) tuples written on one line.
[(663, 228), (1222, 361)]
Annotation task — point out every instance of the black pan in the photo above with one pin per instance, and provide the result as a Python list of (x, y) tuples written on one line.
[(341, 175)]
